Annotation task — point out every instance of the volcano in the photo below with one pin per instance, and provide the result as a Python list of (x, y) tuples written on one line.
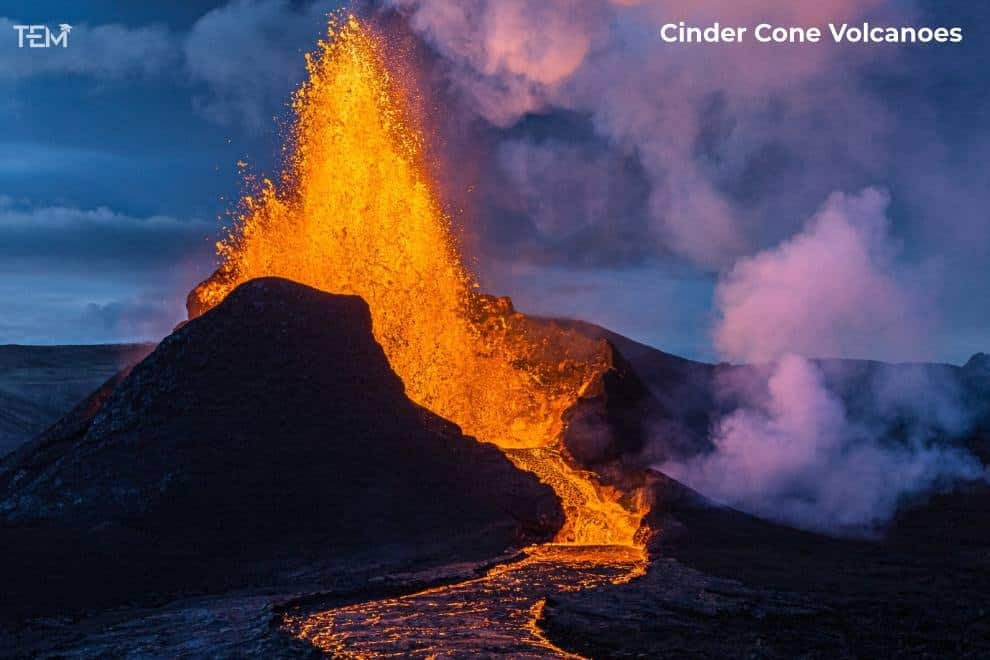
[(261, 484), (349, 449), (271, 427)]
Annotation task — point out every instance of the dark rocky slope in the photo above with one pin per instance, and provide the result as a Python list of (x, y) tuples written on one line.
[(721, 584), (268, 433), (685, 397), (39, 384), (726, 584)]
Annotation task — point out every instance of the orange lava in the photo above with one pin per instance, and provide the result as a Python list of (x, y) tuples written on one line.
[(495, 615), (355, 212)]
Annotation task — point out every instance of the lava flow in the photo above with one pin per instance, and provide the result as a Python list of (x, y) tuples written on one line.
[(494, 615), (355, 212)]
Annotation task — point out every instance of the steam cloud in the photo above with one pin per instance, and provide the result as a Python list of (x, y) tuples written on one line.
[(791, 450), (711, 139), (599, 144), (794, 454), (829, 291), (585, 140), (242, 52)]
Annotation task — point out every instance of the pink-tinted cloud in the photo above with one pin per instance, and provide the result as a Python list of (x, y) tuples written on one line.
[(833, 290), (792, 454), (594, 137), (652, 102)]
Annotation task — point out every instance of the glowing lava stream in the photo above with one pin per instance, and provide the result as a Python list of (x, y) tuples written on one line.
[(494, 615), (355, 212)]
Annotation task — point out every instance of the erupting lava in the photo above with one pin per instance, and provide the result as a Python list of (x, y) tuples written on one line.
[(355, 212)]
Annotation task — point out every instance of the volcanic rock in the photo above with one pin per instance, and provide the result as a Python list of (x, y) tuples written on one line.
[(269, 429), (978, 362), (608, 420), (39, 384), (728, 584)]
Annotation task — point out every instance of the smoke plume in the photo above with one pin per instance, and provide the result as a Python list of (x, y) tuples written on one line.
[(710, 139), (833, 290), (794, 453), (578, 139), (575, 138), (836, 445)]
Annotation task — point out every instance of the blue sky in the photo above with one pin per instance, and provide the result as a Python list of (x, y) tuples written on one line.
[(118, 162)]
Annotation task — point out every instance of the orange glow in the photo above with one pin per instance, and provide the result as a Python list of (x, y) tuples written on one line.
[(355, 212), (495, 615)]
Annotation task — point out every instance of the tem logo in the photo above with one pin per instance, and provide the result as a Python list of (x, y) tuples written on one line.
[(39, 36)]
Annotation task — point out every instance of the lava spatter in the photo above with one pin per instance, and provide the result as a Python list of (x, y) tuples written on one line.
[(355, 212)]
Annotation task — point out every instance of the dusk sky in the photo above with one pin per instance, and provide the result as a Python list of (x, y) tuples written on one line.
[(853, 179)]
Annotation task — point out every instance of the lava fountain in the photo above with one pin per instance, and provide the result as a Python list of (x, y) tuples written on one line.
[(355, 212)]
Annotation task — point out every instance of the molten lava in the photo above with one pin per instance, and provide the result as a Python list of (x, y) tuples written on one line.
[(355, 212)]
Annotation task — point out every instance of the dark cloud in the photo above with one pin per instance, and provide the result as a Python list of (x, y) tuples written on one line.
[(245, 56), (71, 275), (109, 51), (581, 140), (249, 55), (97, 238), (573, 140), (720, 136)]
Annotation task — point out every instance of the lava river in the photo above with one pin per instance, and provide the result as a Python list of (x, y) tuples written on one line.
[(496, 614)]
